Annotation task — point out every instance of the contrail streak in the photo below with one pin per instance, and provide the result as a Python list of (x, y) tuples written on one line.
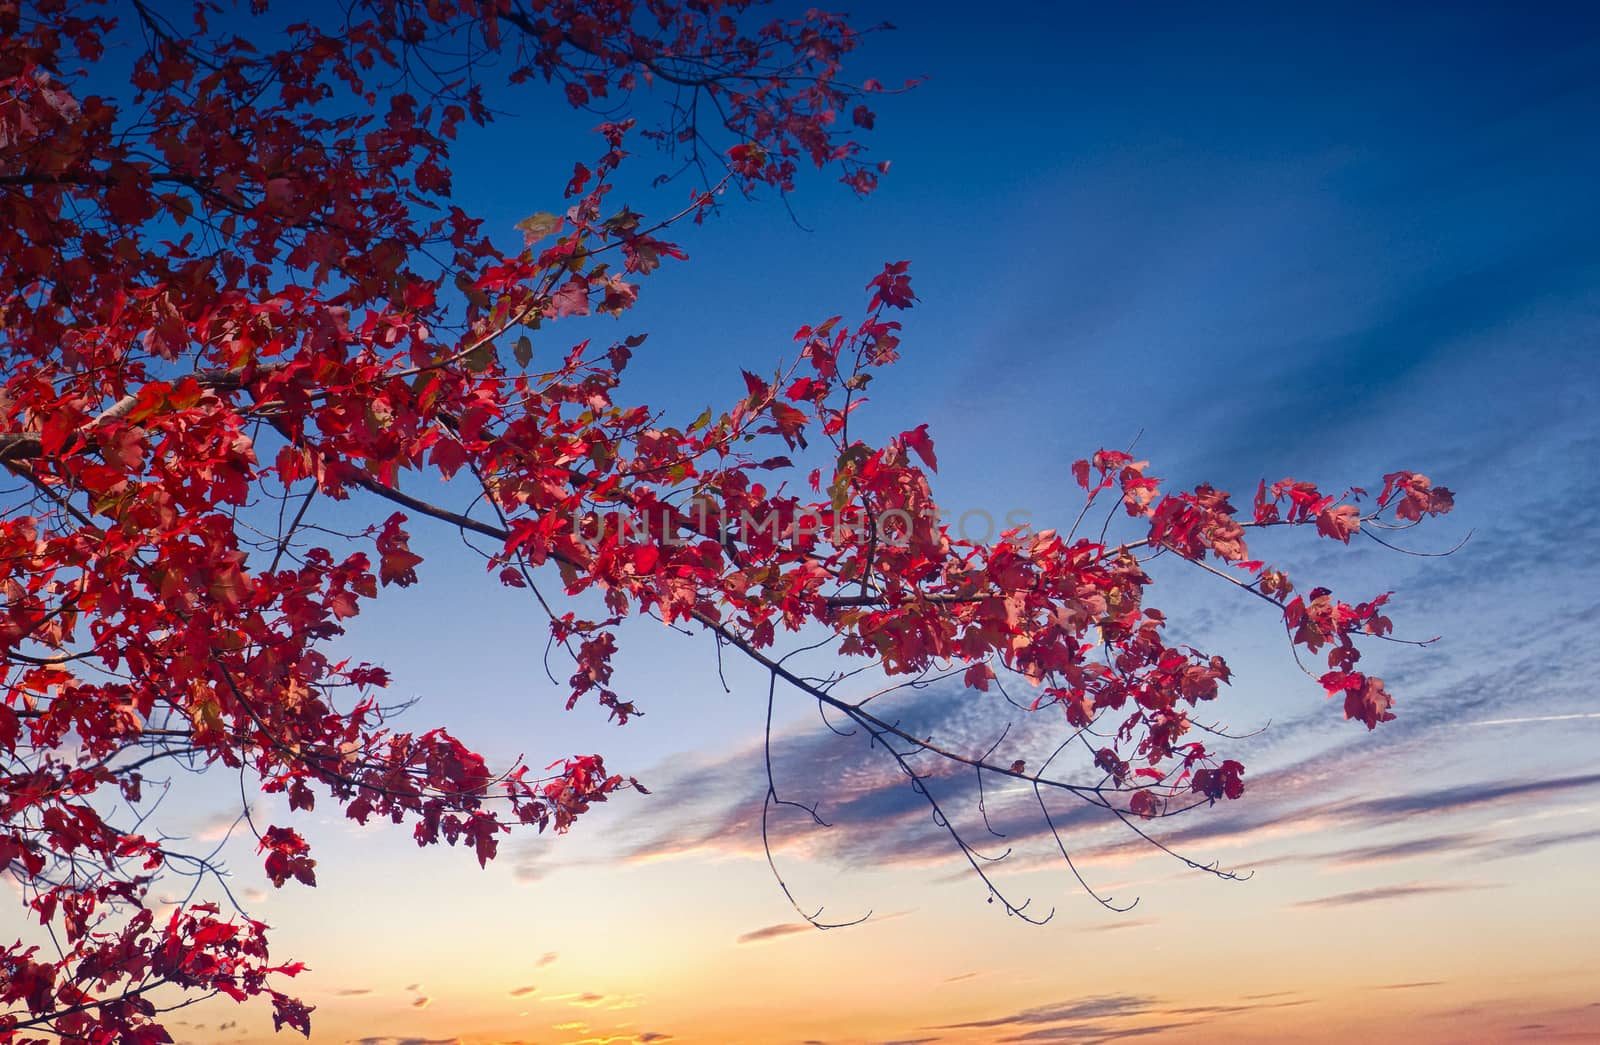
[(1533, 718)]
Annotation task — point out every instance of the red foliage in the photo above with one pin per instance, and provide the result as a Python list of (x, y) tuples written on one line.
[(247, 281)]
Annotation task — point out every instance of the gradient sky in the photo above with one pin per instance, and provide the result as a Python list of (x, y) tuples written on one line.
[(1324, 245)]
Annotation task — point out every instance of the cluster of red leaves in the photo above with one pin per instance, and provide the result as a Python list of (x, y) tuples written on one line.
[(183, 263), (109, 1001), (248, 283)]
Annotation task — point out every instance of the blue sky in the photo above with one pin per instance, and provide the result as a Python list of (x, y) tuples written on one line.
[(1325, 245)]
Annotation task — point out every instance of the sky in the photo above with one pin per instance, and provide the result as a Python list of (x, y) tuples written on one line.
[(1327, 245)]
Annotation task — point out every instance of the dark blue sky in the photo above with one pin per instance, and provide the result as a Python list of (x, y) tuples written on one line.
[(1291, 219)]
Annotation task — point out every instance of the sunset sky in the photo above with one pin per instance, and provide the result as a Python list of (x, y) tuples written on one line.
[(1325, 246)]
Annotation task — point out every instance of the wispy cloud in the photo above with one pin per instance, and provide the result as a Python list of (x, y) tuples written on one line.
[(1122, 923), (532, 861), (1530, 844), (1229, 1010), (1383, 893), (877, 817), (1111, 1017), (1429, 845), (772, 932), (219, 825), (596, 1000), (1090, 1033), (881, 821), (1467, 797), (1477, 844), (1252, 824), (1095, 1008)]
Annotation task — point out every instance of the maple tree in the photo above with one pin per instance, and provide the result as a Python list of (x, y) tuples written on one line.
[(236, 287)]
